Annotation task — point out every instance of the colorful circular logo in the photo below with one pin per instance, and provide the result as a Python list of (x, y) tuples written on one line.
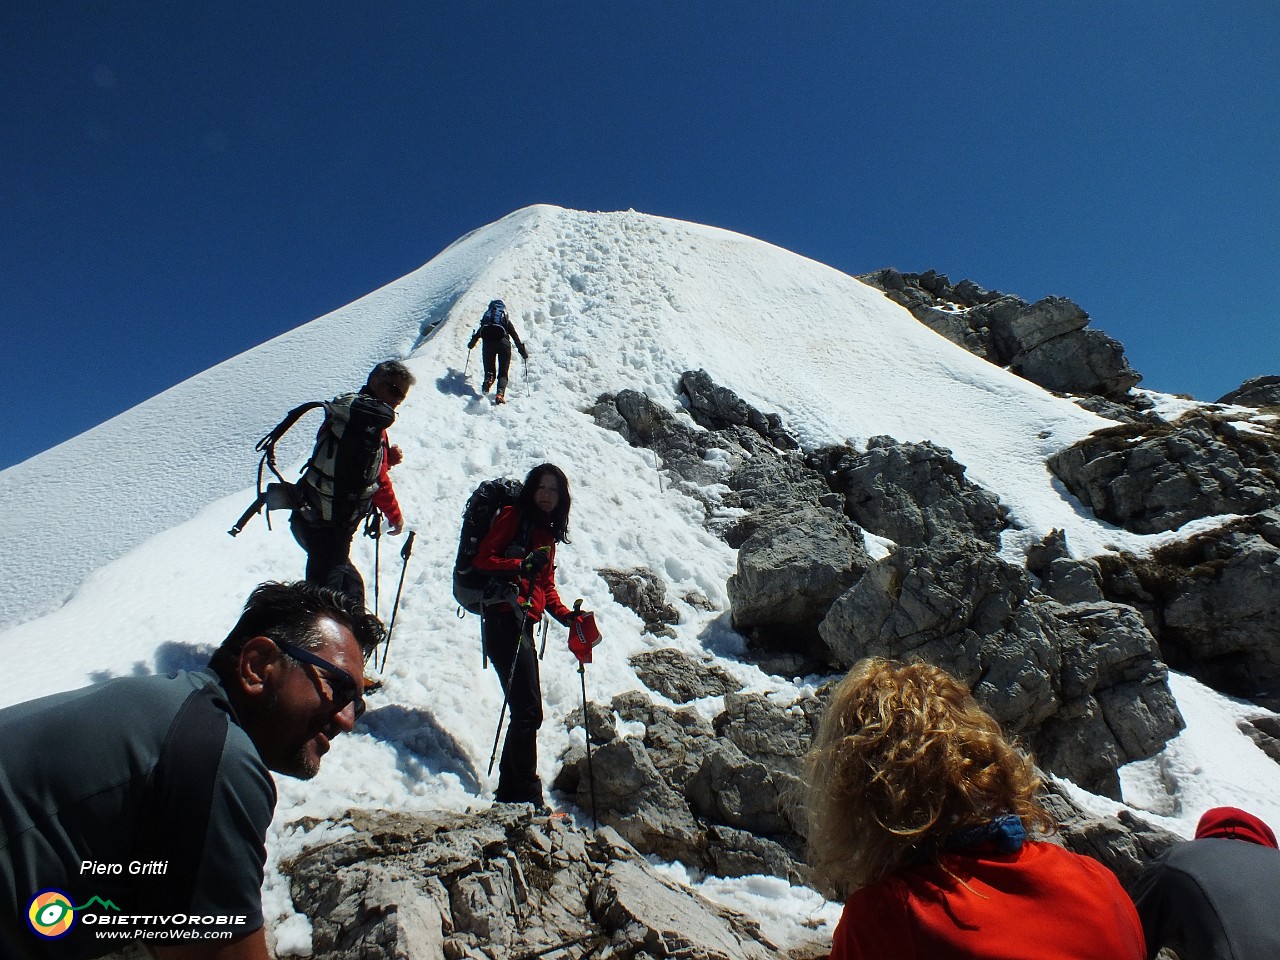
[(51, 914)]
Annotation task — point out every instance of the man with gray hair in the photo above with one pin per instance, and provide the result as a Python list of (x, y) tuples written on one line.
[(347, 477)]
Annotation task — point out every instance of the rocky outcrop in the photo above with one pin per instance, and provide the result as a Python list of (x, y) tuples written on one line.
[(719, 408), (641, 591), (911, 493), (1125, 843), (1213, 603), (1258, 392), (721, 797), (502, 884), (794, 564), (722, 431), (1082, 683), (680, 678), (1153, 477), (1046, 342)]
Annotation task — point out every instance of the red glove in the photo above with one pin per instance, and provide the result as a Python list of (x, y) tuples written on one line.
[(583, 634)]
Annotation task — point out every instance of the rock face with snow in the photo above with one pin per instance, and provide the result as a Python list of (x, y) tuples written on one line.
[(1213, 601), (1046, 342), (1153, 477), (1083, 683), (642, 591), (722, 796), (1078, 676), (1258, 392), (913, 493), (503, 884)]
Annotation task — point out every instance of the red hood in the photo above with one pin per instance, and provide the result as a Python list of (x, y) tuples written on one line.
[(1232, 823)]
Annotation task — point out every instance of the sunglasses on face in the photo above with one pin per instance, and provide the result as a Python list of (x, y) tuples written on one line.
[(342, 686)]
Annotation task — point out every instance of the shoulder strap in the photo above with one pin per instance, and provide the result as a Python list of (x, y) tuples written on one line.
[(182, 792), (267, 445)]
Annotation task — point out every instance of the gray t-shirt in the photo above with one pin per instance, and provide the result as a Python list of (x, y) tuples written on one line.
[(153, 783)]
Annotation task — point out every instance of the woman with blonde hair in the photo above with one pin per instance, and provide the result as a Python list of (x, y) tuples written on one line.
[(919, 809)]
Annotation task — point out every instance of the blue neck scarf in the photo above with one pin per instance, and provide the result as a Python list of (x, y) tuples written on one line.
[(1004, 834)]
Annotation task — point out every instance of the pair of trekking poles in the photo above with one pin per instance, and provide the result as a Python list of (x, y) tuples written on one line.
[(584, 644), (374, 529)]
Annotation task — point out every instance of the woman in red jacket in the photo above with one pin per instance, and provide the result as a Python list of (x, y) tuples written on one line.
[(920, 809), (521, 545)]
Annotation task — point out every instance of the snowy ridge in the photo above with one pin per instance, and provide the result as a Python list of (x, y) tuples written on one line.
[(604, 302)]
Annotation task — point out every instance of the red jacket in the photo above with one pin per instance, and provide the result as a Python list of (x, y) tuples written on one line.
[(384, 498), (492, 555), (1041, 903)]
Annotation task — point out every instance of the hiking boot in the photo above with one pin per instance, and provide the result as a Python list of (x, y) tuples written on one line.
[(372, 684), (488, 382), (499, 397)]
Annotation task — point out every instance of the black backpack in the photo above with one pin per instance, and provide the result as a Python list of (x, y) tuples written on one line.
[(473, 588), (341, 476)]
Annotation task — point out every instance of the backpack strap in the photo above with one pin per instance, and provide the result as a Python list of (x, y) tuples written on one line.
[(182, 791), (267, 447)]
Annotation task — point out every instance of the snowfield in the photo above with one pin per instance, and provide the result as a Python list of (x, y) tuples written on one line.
[(115, 556)]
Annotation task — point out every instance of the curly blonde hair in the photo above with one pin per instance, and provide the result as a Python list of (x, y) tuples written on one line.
[(905, 756)]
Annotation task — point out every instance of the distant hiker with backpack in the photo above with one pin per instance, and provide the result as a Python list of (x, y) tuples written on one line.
[(520, 549), (347, 478), (497, 333)]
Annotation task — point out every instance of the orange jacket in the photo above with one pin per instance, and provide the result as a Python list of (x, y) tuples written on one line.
[(1041, 903)]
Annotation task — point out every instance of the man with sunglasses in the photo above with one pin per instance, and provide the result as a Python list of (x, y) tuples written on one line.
[(154, 794), (348, 477)]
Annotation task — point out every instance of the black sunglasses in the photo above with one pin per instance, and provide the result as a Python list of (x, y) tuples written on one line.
[(341, 684)]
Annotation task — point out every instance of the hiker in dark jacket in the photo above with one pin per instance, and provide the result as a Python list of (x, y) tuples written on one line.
[(1215, 897), (521, 546), (497, 333), (323, 526), (154, 793)]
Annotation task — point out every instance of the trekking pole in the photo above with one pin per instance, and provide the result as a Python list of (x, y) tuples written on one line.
[(467, 366), (586, 717), (374, 529), (404, 556), (542, 654), (586, 728)]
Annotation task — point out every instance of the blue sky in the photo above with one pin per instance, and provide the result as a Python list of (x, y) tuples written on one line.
[(180, 182)]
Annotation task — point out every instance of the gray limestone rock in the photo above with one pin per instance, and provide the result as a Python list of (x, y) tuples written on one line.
[(789, 570), (680, 678), (640, 590), (1149, 478), (1082, 683), (912, 493), (1046, 342), (1213, 602), (1257, 392), (502, 884)]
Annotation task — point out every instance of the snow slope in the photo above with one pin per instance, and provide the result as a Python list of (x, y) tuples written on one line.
[(604, 301)]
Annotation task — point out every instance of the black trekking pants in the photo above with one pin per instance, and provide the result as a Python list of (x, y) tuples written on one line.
[(328, 550), (518, 780), (497, 353)]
